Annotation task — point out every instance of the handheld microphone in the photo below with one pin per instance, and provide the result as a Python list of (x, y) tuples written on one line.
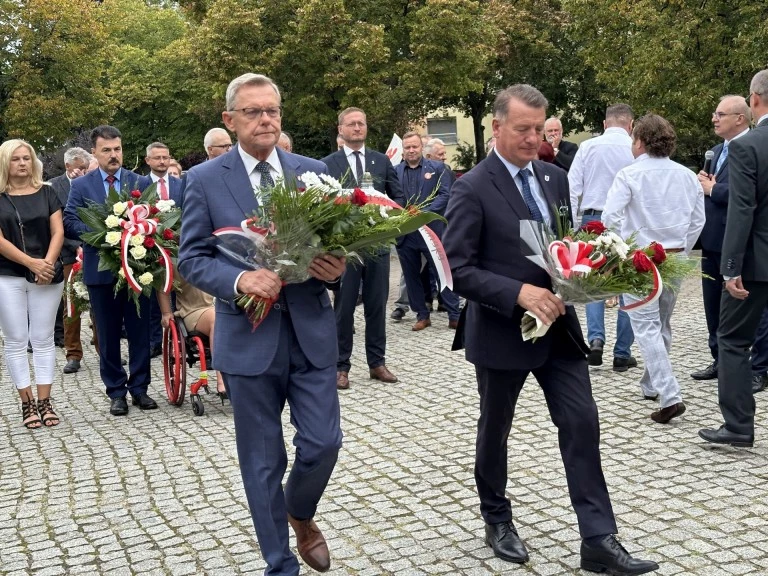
[(708, 157)]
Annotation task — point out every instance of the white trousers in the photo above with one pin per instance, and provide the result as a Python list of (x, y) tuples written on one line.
[(28, 314), (653, 334)]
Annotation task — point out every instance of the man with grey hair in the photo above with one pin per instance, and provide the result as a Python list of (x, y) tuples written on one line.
[(217, 142), (744, 266), (564, 151), (285, 142), (491, 270), (291, 356), (67, 330), (594, 167)]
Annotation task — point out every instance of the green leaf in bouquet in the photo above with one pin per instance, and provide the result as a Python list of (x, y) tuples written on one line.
[(113, 196), (387, 235), (92, 219), (171, 219), (149, 196)]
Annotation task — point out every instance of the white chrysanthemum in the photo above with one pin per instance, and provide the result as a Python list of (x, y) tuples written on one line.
[(331, 181), (121, 273), (371, 221), (113, 238), (118, 208), (165, 205), (81, 290), (310, 179), (383, 210), (146, 279), (137, 240), (138, 252), (112, 221)]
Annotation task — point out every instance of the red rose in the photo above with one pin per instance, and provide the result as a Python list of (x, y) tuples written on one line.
[(594, 227), (149, 242), (168, 234), (76, 267), (154, 210), (359, 198), (659, 254), (641, 262), (135, 194)]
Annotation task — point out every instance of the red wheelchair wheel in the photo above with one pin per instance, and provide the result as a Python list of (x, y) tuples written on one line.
[(174, 370)]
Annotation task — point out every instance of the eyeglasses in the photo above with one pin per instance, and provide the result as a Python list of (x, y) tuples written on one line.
[(227, 146), (160, 158), (256, 113), (719, 115)]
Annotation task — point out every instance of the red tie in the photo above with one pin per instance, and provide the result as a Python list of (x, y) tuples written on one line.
[(163, 189), (111, 180)]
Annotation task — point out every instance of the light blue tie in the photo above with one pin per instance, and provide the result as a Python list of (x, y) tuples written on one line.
[(533, 208), (721, 158)]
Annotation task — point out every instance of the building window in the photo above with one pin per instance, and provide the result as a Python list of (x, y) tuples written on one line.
[(443, 128)]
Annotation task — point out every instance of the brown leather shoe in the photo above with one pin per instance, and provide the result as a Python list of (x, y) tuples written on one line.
[(382, 373), (666, 414), (342, 380), (311, 544), (421, 324), (453, 324)]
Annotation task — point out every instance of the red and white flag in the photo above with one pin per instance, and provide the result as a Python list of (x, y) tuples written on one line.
[(395, 150)]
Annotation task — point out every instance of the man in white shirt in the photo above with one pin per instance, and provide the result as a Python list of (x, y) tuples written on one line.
[(595, 166), (660, 201)]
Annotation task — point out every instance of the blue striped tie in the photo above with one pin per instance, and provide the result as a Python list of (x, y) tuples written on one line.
[(533, 208)]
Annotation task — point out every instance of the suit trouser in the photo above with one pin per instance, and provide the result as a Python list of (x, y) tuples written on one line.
[(653, 334), (110, 311), (739, 320), (410, 253), (257, 402), (374, 274), (568, 393)]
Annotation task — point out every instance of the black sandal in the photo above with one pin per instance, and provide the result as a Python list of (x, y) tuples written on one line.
[(29, 416), (45, 409)]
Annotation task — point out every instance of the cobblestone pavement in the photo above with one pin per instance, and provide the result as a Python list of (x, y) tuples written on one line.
[(160, 492)]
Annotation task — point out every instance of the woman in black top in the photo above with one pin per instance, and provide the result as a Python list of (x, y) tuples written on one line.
[(31, 279)]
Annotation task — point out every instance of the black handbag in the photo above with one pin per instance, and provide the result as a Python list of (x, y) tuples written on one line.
[(58, 266)]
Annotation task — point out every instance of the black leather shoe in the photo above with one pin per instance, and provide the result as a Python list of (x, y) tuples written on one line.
[(155, 351), (72, 367), (397, 314), (119, 406), (58, 342), (505, 543), (759, 382), (709, 373), (646, 397), (144, 402), (596, 352), (624, 364), (724, 436), (608, 555)]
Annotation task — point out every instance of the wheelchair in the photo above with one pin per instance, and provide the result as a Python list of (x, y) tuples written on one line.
[(182, 348)]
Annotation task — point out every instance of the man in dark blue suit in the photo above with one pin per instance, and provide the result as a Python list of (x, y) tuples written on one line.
[(291, 355), (489, 268), (168, 188), (421, 178), (731, 121), (111, 309), (348, 165)]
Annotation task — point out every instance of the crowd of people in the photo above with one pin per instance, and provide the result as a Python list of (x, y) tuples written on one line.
[(301, 353)]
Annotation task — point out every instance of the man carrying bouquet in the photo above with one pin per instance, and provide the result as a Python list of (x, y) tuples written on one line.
[(291, 356), (656, 200), (489, 268), (111, 310)]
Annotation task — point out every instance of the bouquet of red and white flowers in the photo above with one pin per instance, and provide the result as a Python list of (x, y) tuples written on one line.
[(75, 291), (298, 223), (136, 234), (593, 263)]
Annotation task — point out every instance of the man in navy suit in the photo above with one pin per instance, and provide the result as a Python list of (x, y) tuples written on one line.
[(421, 178), (111, 310), (489, 268), (168, 188), (291, 355), (348, 165), (731, 120)]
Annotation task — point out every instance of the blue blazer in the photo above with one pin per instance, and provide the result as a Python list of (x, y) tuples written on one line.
[(439, 203), (716, 207), (91, 187), (219, 194), (175, 188)]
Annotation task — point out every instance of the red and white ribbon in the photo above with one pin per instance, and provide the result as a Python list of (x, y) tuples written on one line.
[(139, 222), (655, 294), (575, 257), (70, 304)]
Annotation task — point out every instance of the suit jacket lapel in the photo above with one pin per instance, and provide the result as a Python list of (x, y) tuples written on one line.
[(291, 166), (238, 183), (341, 166), (504, 183)]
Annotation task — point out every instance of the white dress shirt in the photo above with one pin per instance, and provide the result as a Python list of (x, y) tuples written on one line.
[(658, 200), (352, 161), (763, 117), (538, 194), (275, 169), (596, 164)]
